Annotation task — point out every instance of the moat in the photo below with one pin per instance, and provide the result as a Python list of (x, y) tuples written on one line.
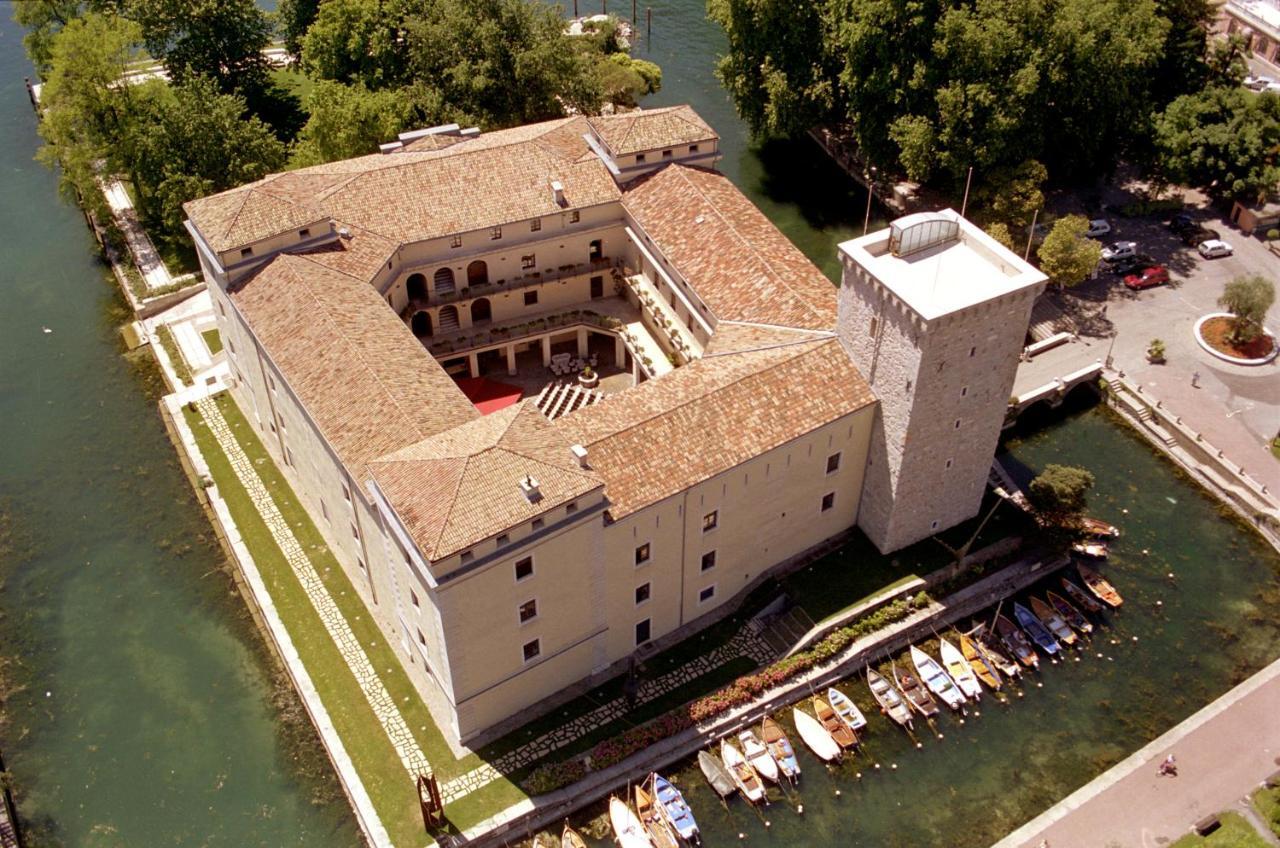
[(149, 716)]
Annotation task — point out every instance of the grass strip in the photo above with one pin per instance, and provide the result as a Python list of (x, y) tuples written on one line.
[(1235, 832), (1267, 802), (212, 340), (176, 360)]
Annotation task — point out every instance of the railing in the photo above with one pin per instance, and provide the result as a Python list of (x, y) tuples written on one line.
[(661, 316), (533, 278)]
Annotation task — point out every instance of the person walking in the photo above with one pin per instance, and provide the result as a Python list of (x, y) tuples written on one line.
[(1195, 380)]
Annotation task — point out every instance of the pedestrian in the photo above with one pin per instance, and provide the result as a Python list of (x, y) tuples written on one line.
[(1195, 380)]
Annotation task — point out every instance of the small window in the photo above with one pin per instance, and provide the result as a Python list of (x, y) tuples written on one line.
[(422, 640), (828, 501), (706, 594), (571, 507), (597, 288), (503, 539), (875, 325), (708, 560), (467, 556), (973, 351), (413, 598), (231, 346), (355, 532), (304, 233), (642, 554), (456, 241), (693, 148), (933, 526), (537, 524), (642, 632), (528, 611), (530, 261), (288, 456), (949, 463), (246, 251), (957, 423), (710, 520), (833, 463), (639, 158), (531, 650), (222, 309), (964, 392), (271, 382), (324, 510), (360, 563), (530, 298), (574, 217), (495, 232), (666, 154), (535, 225), (524, 569), (346, 493), (642, 594)]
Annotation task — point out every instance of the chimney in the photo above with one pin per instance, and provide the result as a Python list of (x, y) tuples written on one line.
[(529, 486), (343, 232), (580, 453), (390, 147), (557, 189)]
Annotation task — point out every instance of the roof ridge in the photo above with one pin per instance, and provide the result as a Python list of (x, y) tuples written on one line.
[(438, 535), (244, 198)]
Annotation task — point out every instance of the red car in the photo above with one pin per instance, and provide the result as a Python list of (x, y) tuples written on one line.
[(1156, 275)]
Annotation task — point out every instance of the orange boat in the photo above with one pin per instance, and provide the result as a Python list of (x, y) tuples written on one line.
[(839, 731), (1100, 587)]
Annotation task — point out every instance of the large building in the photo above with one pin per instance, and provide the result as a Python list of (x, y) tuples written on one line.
[(409, 330)]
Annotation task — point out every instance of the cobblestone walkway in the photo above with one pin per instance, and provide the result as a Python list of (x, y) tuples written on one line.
[(744, 644), (415, 761)]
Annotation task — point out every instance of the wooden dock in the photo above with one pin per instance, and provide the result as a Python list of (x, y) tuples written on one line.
[(9, 837)]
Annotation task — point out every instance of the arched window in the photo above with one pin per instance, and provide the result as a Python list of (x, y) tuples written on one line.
[(481, 311), (421, 323), (443, 281), (595, 250), (416, 287), (478, 273), (449, 319)]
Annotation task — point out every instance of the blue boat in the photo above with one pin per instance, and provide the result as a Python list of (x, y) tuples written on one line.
[(1037, 631), (675, 810)]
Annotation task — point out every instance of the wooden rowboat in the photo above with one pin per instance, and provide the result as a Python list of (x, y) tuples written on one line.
[(716, 773), (1081, 597), (1103, 590), (846, 709), (1036, 630), (917, 696), (938, 681), (983, 668), (541, 841), (675, 810), (1099, 529), (1009, 668), (839, 731), (627, 828), (775, 739), (889, 700), (744, 776), (571, 839), (959, 669), (1017, 642), (655, 825), (758, 755), (1093, 550), (1050, 618), (1069, 613), (816, 736)]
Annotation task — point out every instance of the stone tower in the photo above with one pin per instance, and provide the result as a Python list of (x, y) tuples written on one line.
[(934, 312)]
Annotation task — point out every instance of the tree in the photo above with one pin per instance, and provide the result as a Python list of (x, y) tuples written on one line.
[(1060, 492), (296, 17), (357, 41), (220, 39), (1000, 232), (1225, 139), (1183, 68), (350, 120), (1247, 299), (1067, 256), (1013, 195), (625, 80), (44, 19)]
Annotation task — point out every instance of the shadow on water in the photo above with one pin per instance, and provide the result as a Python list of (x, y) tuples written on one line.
[(792, 168)]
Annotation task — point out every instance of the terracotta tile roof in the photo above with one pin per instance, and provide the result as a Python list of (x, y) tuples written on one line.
[(650, 129), (249, 213), (666, 435), (361, 375), (462, 486), (734, 337), (362, 255), (736, 259)]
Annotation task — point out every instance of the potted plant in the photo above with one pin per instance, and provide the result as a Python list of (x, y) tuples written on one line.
[(589, 378), (1155, 351)]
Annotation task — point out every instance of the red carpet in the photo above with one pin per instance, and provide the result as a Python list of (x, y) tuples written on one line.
[(489, 395)]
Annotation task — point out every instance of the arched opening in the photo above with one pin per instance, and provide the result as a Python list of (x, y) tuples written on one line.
[(481, 311), (416, 287), (421, 323), (443, 281), (449, 319), (595, 251), (478, 273)]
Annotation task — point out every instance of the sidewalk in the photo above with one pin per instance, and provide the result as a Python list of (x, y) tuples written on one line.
[(1223, 752)]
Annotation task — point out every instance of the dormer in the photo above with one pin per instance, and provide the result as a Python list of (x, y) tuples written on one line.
[(636, 143)]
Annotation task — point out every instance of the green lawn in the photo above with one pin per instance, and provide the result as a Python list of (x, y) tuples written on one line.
[(1267, 803), (212, 340), (380, 769), (1235, 832), (294, 82), (1275, 447), (179, 362)]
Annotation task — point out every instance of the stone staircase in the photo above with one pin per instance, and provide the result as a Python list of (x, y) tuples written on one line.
[(561, 398)]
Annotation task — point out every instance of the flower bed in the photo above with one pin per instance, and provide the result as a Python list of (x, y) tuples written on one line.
[(1216, 332)]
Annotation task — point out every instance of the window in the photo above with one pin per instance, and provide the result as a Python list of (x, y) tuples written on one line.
[(957, 423), (271, 382), (288, 456), (666, 154), (503, 539), (324, 509), (456, 241), (530, 298), (355, 532), (833, 463), (706, 594), (693, 148), (972, 352), (467, 556), (597, 287), (571, 507), (642, 632), (422, 640), (875, 325), (360, 562), (949, 463), (642, 594), (528, 611), (639, 158), (933, 526), (346, 493), (710, 520), (531, 650), (231, 346), (574, 217), (246, 251), (304, 233), (535, 225), (413, 598), (964, 392), (530, 261), (642, 554), (828, 501), (222, 309), (708, 560), (524, 569), (537, 523), (495, 232)]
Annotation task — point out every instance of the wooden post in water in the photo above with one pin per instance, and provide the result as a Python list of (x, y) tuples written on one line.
[(648, 32), (604, 7), (575, 8)]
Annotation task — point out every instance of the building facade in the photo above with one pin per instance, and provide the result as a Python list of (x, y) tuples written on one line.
[(513, 555)]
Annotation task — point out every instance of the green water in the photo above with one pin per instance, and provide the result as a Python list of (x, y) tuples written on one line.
[(147, 716)]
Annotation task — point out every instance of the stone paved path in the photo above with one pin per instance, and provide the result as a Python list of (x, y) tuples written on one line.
[(154, 272), (411, 755)]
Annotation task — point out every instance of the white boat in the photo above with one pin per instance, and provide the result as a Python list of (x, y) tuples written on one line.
[(627, 827), (938, 681), (744, 776), (960, 670), (846, 709), (758, 755), (815, 736)]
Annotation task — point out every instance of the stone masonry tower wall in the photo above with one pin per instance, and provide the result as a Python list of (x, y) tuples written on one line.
[(943, 369)]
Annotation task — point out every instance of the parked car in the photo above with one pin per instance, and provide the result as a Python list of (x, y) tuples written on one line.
[(1119, 250), (1199, 234), (1098, 227), (1123, 267), (1213, 248), (1156, 275), (1257, 83), (1182, 222)]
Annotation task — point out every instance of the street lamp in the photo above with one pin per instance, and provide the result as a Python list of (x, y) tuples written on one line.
[(866, 221)]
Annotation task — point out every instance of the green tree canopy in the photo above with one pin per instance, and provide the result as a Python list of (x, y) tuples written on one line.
[(1060, 492), (357, 41), (625, 80), (1012, 195), (295, 18), (1067, 256), (220, 39), (1224, 139), (1247, 299), (44, 19), (350, 120)]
